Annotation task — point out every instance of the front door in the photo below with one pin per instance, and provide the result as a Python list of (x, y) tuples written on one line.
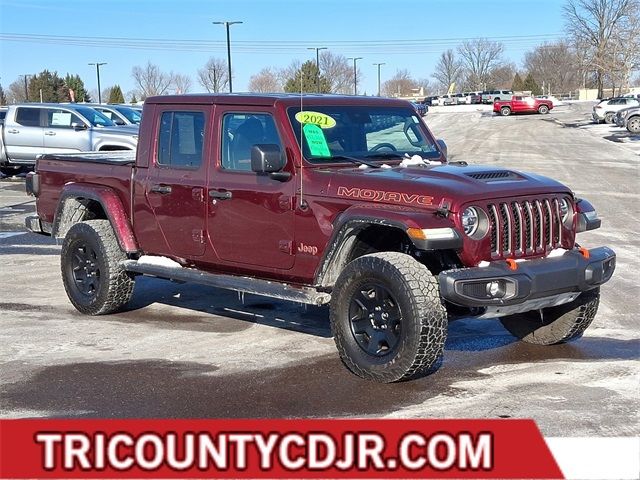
[(175, 187), (64, 132), (250, 216)]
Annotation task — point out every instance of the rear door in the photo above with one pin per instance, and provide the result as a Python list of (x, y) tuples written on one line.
[(64, 131), (250, 217), (23, 134), (176, 181)]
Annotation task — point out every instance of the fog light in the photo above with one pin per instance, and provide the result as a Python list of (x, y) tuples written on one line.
[(496, 289)]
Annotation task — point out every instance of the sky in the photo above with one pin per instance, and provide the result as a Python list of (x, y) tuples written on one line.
[(178, 35)]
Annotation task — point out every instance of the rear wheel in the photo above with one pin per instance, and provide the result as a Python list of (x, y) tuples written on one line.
[(92, 274), (554, 325), (505, 111), (543, 109), (387, 318), (609, 117), (633, 125)]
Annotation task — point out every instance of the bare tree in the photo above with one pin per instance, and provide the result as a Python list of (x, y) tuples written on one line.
[(151, 80), (554, 65), (15, 92), (479, 58), (339, 71), (265, 81), (402, 84), (215, 75), (181, 83), (448, 70), (502, 76), (599, 25)]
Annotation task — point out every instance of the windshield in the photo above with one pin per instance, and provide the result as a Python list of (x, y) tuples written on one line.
[(360, 132), (134, 116), (96, 118)]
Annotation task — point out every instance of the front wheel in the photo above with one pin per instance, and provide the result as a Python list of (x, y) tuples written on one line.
[(387, 318), (92, 273), (553, 325), (543, 109), (609, 117), (633, 125)]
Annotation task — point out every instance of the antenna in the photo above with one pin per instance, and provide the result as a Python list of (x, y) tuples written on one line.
[(301, 205)]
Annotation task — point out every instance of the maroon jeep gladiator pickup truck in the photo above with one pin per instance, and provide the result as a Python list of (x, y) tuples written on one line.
[(324, 199)]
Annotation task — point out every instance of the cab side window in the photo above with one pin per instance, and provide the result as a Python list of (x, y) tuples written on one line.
[(240, 132), (180, 139), (28, 117), (62, 119)]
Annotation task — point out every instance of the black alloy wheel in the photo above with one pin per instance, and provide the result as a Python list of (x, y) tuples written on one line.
[(375, 319), (85, 269)]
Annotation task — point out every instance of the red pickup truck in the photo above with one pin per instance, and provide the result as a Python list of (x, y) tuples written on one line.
[(521, 104), (324, 199)]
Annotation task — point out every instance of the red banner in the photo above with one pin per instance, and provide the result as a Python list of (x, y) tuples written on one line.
[(274, 449)]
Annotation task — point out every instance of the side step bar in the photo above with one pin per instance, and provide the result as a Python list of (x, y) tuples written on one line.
[(265, 288)]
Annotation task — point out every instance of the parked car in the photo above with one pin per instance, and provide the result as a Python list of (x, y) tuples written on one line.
[(606, 110), (632, 121), (521, 104), (475, 98), (621, 116), (32, 129), (395, 255), (119, 114), (495, 95), (447, 99), (421, 108), (431, 101), (461, 98)]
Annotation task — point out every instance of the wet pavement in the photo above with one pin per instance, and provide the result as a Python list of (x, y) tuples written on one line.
[(192, 351)]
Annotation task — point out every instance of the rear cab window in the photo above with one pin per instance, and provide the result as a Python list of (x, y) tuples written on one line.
[(181, 139), (28, 116)]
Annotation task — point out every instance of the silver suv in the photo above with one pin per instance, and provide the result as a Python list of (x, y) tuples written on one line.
[(33, 129), (119, 114)]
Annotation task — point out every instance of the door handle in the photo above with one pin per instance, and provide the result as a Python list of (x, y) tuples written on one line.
[(13, 130), (220, 194), (161, 189), (50, 134)]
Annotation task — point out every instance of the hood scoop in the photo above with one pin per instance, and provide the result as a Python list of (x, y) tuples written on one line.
[(498, 176)]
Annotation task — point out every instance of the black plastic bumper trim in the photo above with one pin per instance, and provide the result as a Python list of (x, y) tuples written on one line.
[(571, 272)]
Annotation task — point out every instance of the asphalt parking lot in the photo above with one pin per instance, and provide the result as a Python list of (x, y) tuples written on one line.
[(192, 351)]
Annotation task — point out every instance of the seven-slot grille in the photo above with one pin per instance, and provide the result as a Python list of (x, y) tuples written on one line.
[(522, 228)]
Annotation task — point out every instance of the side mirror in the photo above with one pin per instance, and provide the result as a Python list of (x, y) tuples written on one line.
[(78, 126), (266, 158), (443, 147)]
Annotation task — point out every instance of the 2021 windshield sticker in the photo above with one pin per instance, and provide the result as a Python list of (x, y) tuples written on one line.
[(316, 118), (315, 139)]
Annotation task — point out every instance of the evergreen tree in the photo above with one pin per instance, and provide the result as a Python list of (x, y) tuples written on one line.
[(51, 86), (115, 95), (307, 77), (530, 85), (518, 83), (3, 97), (75, 83), (134, 100)]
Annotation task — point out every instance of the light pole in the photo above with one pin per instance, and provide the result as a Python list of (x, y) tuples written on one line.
[(26, 88), (379, 65), (98, 65), (227, 25), (355, 74), (317, 49)]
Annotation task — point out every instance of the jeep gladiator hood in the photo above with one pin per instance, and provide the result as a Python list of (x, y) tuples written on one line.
[(429, 185)]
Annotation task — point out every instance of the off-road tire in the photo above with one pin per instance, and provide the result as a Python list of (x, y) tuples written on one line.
[(543, 109), (505, 111), (633, 125), (556, 324), (609, 117), (113, 285), (423, 323)]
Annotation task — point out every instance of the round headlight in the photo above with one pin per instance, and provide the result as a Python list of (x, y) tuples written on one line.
[(566, 211), (470, 220)]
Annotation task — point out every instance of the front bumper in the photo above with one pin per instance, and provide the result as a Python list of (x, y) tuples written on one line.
[(504, 289)]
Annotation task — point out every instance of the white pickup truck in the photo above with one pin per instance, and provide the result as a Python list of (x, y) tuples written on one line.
[(33, 129)]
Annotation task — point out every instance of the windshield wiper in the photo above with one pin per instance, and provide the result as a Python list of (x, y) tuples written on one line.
[(385, 155), (359, 161)]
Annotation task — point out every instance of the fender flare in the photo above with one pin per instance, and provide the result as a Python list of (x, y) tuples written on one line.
[(111, 204), (349, 223)]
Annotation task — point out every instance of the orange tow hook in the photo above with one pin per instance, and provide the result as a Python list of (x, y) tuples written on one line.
[(584, 252), (513, 265)]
